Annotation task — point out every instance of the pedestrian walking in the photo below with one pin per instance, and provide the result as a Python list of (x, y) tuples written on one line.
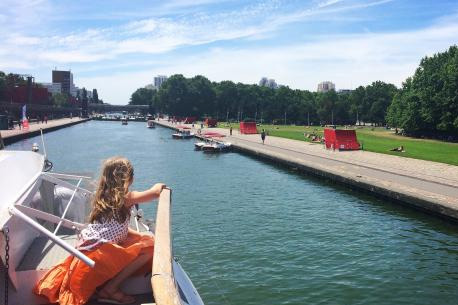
[(19, 123), (230, 131), (46, 119), (263, 136)]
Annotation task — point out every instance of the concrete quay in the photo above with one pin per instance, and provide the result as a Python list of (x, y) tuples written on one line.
[(15, 135), (424, 185)]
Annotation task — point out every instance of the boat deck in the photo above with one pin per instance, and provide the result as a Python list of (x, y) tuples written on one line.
[(44, 253)]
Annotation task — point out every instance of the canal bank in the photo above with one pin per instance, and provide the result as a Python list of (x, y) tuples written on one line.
[(424, 185), (15, 135)]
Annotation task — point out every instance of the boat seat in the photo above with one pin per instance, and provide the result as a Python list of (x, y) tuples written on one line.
[(43, 253)]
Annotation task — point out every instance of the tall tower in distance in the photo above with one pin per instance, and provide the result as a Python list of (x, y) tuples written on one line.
[(65, 78), (159, 80), (326, 86)]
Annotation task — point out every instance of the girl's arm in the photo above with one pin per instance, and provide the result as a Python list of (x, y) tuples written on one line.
[(136, 197)]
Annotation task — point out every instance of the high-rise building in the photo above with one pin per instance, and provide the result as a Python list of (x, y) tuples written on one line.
[(268, 82), (65, 78), (326, 86), (159, 80), (263, 82)]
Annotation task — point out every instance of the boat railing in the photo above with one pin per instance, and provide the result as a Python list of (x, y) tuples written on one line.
[(26, 213), (163, 281), (16, 212)]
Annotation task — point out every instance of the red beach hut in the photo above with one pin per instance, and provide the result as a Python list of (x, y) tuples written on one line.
[(341, 139), (248, 128), (211, 122)]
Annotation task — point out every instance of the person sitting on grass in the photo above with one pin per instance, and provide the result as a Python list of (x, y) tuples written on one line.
[(398, 149), (118, 251)]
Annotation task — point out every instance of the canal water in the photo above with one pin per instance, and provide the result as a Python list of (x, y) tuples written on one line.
[(248, 232)]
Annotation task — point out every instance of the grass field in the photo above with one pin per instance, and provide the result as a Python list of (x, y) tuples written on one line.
[(378, 140)]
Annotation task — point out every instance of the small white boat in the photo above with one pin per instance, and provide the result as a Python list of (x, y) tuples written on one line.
[(199, 145), (39, 229), (183, 134), (216, 147), (150, 124)]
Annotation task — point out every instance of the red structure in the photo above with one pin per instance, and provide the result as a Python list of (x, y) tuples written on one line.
[(341, 139), (38, 95), (189, 120), (248, 128), (211, 122)]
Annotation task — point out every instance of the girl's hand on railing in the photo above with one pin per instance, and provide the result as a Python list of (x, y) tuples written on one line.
[(158, 187)]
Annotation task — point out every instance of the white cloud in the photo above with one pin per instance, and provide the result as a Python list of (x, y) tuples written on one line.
[(153, 35), (348, 60)]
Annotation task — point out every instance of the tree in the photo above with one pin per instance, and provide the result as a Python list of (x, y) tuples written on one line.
[(60, 100), (326, 110), (84, 103), (142, 96), (428, 102), (379, 96)]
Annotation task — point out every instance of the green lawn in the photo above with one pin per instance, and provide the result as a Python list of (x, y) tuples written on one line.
[(377, 140)]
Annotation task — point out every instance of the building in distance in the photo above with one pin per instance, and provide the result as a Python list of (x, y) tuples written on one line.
[(53, 88), (268, 82), (65, 78), (326, 86), (344, 91), (159, 80)]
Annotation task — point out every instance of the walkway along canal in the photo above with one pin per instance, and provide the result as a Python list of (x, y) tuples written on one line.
[(425, 185), (15, 135)]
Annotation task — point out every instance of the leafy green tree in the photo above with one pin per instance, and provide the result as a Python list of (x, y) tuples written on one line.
[(226, 93), (141, 96), (326, 107), (173, 96), (428, 102), (201, 97), (379, 96), (60, 100)]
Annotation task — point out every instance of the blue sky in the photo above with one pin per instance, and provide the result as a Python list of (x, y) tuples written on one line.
[(119, 46)]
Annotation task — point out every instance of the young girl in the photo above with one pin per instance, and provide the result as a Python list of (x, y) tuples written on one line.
[(118, 251)]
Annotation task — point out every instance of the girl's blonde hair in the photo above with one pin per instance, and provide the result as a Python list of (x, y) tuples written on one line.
[(109, 200)]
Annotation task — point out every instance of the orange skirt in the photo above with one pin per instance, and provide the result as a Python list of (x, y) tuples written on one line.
[(73, 282)]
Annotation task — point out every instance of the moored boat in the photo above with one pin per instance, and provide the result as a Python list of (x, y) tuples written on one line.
[(183, 134), (40, 227), (199, 145), (150, 124), (216, 147)]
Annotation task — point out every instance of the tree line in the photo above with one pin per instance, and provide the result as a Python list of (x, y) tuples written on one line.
[(427, 103), (199, 97)]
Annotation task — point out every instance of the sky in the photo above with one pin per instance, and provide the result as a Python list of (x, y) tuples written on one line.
[(119, 46)]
